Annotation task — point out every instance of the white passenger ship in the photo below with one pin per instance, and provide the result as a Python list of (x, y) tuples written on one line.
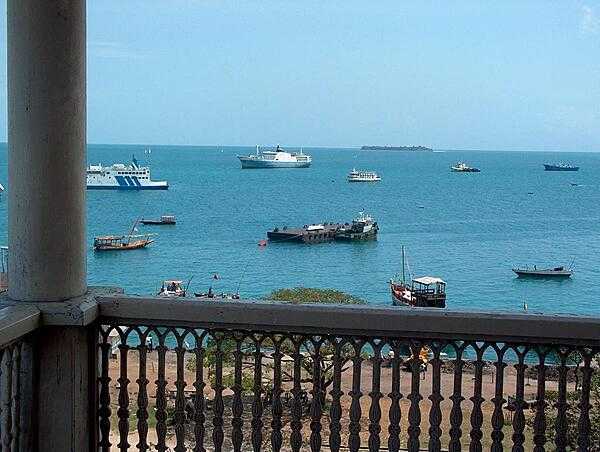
[(122, 177), (275, 159), (363, 176)]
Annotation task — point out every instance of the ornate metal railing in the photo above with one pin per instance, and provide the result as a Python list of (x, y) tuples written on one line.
[(203, 376), (17, 325)]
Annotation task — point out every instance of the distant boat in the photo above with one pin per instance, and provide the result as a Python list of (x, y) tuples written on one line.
[(164, 219), (425, 292), (397, 148), (462, 167), (123, 242), (560, 167), (1, 188), (364, 227), (220, 296), (556, 272), (363, 176), (275, 159), (122, 177)]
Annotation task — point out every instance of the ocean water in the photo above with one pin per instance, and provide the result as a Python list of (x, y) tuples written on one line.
[(469, 229)]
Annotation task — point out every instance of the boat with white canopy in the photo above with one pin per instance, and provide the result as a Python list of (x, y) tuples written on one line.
[(424, 292)]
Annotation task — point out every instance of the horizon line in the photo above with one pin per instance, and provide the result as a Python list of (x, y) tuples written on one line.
[(352, 147)]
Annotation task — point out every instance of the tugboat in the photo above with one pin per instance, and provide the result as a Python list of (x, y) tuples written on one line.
[(363, 227), (424, 292), (363, 176), (462, 167), (560, 167), (164, 219), (275, 159), (555, 273)]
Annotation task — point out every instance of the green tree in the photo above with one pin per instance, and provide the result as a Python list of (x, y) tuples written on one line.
[(573, 411)]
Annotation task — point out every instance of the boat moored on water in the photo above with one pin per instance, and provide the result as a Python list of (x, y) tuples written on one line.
[(172, 289), (363, 176), (163, 220), (560, 167), (363, 227), (462, 167), (534, 272), (122, 177), (123, 242), (423, 292), (277, 158), (212, 295)]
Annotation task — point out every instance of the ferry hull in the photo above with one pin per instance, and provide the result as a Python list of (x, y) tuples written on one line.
[(255, 164), (120, 187)]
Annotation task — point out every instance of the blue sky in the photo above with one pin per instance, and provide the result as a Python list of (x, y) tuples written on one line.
[(449, 74)]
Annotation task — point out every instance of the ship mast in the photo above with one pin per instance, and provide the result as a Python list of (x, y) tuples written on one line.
[(403, 280)]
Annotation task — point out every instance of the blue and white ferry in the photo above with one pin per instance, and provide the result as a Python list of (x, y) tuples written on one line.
[(122, 177)]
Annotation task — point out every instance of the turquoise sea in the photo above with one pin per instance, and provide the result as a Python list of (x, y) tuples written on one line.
[(469, 229)]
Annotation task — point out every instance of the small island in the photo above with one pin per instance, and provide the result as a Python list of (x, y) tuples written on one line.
[(397, 148)]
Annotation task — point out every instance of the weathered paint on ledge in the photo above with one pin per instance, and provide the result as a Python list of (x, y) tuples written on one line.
[(354, 320)]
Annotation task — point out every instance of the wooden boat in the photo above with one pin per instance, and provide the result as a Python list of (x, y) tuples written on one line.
[(556, 272), (123, 242), (424, 292), (164, 219)]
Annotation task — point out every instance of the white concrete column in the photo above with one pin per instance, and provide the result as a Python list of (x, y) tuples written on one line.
[(46, 147)]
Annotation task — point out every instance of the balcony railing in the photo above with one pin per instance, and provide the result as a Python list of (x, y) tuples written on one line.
[(16, 377), (203, 376)]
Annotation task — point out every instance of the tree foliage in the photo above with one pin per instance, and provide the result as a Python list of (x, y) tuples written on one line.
[(302, 295), (573, 411)]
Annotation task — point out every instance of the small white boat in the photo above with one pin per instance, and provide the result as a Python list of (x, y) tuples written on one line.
[(363, 176), (172, 289), (462, 167), (1, 188)]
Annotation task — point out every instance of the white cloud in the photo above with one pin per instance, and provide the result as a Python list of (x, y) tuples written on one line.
[(590, 21)]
